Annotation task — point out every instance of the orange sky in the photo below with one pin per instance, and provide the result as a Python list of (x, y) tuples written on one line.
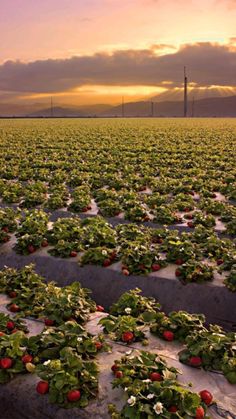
[(58, 29)]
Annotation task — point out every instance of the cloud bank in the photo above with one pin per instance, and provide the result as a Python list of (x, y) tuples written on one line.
[(207, 64)]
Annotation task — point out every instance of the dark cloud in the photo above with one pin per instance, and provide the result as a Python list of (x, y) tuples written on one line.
[(207, 64)]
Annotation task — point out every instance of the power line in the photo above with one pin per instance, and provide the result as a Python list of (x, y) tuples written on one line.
[(185, 93)]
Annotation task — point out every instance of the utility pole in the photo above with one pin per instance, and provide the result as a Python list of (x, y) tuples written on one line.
[(123, 107), (51, 108), (185, 93), (193, 103), (152, 109)]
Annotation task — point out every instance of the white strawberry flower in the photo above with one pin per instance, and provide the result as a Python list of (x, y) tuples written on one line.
[(131, 401), (79, 339), (150, 396), (128, 310), (158, 408), (147, 380), (104, 252), (47, 362)]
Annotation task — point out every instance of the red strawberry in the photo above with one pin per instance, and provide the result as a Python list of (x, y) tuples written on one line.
[(146, 218), (89, 207), (179, 261), (172, 409), (73, 395), (6, 363), (6, 239), (156, 267), (10, 325), (98, 345), (155, 376), (44, 243), (49, 322), (2, 333), (27, 358), (214, 195), (195, 361), (125, 272), (12, 294), (31, 248), (114, 367), (6, 229), (100, 308), (42, 387), (220, 262), (168, 335), (200, 413), (73, 254), (190, 224), (186, 209), (177, 272), (14, 308), (118, 374), (14, 331), (206, 397), (127, 336), (142, 267), (106, 263)]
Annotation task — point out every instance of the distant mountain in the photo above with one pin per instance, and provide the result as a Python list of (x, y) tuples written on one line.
[(211, 107)]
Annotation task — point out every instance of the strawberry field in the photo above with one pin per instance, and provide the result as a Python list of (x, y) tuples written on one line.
[(109, 206)]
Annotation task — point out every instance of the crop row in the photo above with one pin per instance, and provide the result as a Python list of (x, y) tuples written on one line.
[(140, 249)]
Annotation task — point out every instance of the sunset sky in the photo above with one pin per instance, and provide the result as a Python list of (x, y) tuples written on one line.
[(95, 51)]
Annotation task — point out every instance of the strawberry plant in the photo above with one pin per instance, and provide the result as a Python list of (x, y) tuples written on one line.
[(134, 304), (152, 389), (123, 328), (179, 323), (192, 271), (67, 374), (9, 325)]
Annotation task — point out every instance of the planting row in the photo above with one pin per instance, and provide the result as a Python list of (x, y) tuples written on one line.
[(141, 250), (64, 354), (159, 208)]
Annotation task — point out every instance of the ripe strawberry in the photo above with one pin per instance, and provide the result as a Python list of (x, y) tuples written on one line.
[(6, 229), (114, 367), (113, 255), (6, 363), (89, 207), (118, 374), (73, 254), (73, 395), (31, 248), (10, 325), (190, 224), (146, 218), (42, 387), (195, 361), (98, 345), (200, 413), (85, 209), (48, 322), (186, 209), (206, 397), (2, 333), (179, 261), (12, 294), (106, 263), (127, 336), (155, 376), (172, 409), (125, 272), (27, 358), (156, 267), (220, 262), (168, 335), (14, 331), (214, 195), (177, 272), (14, 308), (100, 308), (44, 243), (6, 239)]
